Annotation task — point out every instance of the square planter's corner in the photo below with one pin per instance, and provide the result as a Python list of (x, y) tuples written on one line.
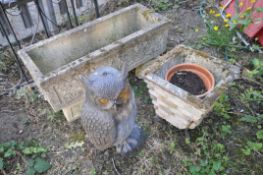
[(174, 104)]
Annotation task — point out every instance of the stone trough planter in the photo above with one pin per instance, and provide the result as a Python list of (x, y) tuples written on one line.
[(132, 35), (174, 104)]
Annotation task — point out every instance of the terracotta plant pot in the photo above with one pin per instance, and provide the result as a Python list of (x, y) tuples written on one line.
[(205, 75)]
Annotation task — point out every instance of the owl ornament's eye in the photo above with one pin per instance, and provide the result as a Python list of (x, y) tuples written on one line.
[(124, 95), (103, 101)]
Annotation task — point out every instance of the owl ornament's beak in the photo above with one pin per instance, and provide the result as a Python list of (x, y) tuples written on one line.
[(115, 105)]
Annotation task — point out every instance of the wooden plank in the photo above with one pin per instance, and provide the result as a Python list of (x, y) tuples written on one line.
[(180, 103), (170, 114), (179, 124), (73, 112)]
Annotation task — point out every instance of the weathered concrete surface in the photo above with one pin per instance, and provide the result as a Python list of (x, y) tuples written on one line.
[(132, 35), (176, 105)]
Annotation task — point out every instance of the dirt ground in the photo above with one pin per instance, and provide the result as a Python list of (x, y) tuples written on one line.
[(165, 149)]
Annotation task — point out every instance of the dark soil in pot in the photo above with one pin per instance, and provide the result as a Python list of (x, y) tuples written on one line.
[(189, 82)]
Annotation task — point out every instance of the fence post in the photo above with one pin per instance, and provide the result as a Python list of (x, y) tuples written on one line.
[(74, 12), (68, 14), (96, 8), (44, 21), (9, 25), (14, 52), (27, 20), (52, 16)]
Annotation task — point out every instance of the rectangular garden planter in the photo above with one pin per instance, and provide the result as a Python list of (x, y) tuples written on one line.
[(174, 104), (132, 35)]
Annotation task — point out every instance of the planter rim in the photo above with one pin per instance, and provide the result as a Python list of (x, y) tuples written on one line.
[(203, 73)]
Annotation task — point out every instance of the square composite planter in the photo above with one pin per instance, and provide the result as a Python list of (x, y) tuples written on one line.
[(132, 35), (174, 104)]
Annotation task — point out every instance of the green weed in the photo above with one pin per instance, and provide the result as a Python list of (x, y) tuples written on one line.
[(93, 171), (172, 147), (159, 5), (212, 156), (31, 153), (226, 129), (28, 94), (54, 116), (252, 96), (257, 69), (140, 90), (257, 119), (252, 147), (259, 135), (222, 107), (6, 60), (220, 39), (222, 34)]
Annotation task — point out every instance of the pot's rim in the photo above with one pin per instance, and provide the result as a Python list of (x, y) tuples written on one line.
[(205, 75)]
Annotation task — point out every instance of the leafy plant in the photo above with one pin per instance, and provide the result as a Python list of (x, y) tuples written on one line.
[(225, 129), (221, 33), (140, 89), (54, 116), (172, 147), (243, 19), (73, 145), (29, 94), (30, 150), (257, 68), (187, 140), (260, 134), (159, 5), (252, 119), (31, 153), (222, 107), (6, 60), (219, 38), (37, 165), (93, 171), (212, 159), (252, 146), (249, 119), (252, 96)]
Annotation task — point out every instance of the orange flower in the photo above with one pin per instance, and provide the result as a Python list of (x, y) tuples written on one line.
[(253, 1)]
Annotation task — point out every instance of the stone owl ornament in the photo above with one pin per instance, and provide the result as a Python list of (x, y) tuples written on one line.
[(109, 112)]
